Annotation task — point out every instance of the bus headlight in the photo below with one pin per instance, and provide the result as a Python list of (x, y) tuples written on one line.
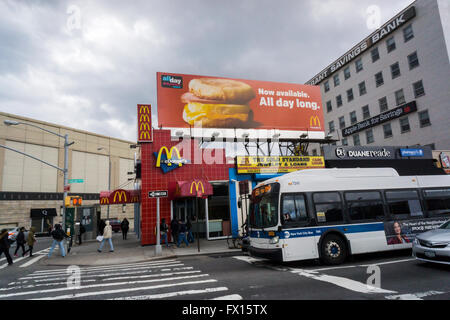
[(274, 240)]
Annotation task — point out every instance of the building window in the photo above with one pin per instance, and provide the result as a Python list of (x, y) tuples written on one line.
[(387, 129), (366, 112), (362, 88), (331, 126), (390, 44), (404, 125), (341, 122), (375, 54), (413, 60), (344, 142), (353, 117), (359, 65), (349, 95), (329, 106), (383, 104), (339, 101), (369, 136), (336, 80), (424, 119), (408, 33), (395, 70), (356, 141), (347, 73), (418, 89), (399, 97), (379, 79), (326, 86)]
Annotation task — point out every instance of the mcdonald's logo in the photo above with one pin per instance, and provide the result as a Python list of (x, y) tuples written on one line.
[(144, 109), (120, 194), (314, 121), (144, 126), (169, 156), (197, 184), (104, 200), (144, 117), (144, 135)]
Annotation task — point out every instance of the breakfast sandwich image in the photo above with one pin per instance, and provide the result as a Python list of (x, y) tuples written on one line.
[(218, 103)]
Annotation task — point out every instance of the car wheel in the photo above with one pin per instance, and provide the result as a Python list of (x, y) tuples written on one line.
[(333, 250)]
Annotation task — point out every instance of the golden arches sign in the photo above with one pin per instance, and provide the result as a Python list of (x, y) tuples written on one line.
[(197, 184), (120, 194), (104, 200), (144, 123), (314, 121), (169, 155), (144, 109)]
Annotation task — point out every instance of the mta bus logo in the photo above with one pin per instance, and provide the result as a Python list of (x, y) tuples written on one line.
[(169, 160), (314, 122)]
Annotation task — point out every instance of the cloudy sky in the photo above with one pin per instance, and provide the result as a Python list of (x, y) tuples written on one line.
[(87, 64)]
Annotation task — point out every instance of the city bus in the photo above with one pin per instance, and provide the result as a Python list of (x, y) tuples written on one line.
[(330, 214)]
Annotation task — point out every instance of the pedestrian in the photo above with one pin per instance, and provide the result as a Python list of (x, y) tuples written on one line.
[(58, 235), (164, 228), (182, 234), (107, 235), (31, 240), (4, 245), (20, 240), (81, 230), (174, 230), (125, 225), (101, 227), (190, 236)]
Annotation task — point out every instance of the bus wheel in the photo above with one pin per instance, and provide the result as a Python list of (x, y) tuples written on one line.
[(334, 250)]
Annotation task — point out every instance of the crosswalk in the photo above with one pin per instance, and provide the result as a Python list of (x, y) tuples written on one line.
[(27, 260), (162, 279)]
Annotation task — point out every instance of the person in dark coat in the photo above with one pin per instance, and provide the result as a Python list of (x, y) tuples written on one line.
[(101, 227), (4, 245), (190, 236), (58, 235), (174, 230), (125, 225), (31, 240), (182, 234), (164, 229), (20, 240), (81, 230)]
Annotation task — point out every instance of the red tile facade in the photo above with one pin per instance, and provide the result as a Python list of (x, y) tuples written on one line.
[(153, 178)]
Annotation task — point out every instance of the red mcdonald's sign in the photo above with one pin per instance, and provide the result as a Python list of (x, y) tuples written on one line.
[(144, 113)]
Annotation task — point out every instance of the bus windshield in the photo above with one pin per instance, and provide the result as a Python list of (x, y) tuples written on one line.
[(264, 209)]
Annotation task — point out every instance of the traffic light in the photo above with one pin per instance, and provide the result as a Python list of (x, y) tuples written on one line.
[(73, 201)]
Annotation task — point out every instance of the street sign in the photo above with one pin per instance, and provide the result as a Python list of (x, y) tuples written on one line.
[(76, 180), (158, 194)]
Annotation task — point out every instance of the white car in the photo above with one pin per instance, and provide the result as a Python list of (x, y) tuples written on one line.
[(12, 233), (433, 245)]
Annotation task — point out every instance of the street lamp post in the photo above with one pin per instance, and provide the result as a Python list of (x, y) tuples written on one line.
[(66, 161), (109, 179)]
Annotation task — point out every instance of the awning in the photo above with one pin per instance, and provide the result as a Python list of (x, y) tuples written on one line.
[(43, 213), (120, 196), (193, 188)]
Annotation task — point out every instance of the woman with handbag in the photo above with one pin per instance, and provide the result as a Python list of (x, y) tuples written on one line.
[(107, 235)]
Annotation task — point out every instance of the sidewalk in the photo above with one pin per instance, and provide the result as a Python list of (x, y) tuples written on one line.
[(130, 251)]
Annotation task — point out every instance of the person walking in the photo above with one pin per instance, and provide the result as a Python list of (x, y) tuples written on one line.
[(4, 245), (58, 237), (182, 234), (164, 228), (190, 236), (174, 229), (125, 225), (20, 240), (31, 240), (107, 235), (81, 230)]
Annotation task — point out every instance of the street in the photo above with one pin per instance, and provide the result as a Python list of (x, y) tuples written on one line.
[(233, 277)]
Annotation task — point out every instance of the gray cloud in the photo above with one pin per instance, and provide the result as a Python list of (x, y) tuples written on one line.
[(95, 63)]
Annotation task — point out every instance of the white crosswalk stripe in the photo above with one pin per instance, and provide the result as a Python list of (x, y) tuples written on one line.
[(134, 281), (28, 262)]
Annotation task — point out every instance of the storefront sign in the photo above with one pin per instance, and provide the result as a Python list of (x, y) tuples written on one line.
[(260, 164), (373, 39), (212, 102), (169, 160), (411, 152), (43, 213), (381, 118), (144, 113), (119, 196)]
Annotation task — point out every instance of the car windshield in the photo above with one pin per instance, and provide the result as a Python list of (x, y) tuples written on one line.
[(445, 225)]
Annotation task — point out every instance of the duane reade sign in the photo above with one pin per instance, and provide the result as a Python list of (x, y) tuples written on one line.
[(375, 153)]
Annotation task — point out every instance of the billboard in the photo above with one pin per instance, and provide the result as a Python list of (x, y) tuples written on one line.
[(269, 164), (238, 108)]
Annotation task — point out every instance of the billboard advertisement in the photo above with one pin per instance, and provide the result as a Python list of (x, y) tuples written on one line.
[(189, 101), (269, 164)]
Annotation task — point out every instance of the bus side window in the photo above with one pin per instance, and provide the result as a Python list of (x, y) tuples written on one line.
[(365, 205), (328, 207), (437, 201), (404, 204), (294, 209)]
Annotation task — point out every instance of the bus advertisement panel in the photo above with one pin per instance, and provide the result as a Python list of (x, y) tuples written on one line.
[(185, 101)]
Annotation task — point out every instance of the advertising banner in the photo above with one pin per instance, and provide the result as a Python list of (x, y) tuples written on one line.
[(262, 164), (212, 102), (144, 113), (405, 231)]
